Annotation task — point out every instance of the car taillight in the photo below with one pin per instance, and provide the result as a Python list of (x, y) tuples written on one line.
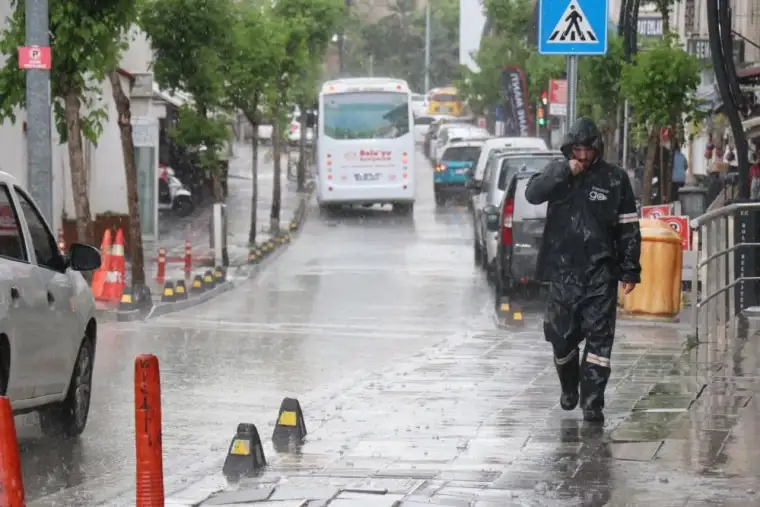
[(506, 222), (439, 168)]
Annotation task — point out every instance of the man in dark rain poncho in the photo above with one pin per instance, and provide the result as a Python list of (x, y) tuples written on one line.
[(590, 243)]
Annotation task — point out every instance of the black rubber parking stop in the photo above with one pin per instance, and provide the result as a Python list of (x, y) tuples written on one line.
[(208, 280), (197, 287), (246, 454), (167, 296), (127, 302), (290, 426), (180, 291), (509, 313)]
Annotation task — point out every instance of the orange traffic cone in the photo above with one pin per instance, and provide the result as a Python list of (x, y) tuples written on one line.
[(114, 284), (99, 278)]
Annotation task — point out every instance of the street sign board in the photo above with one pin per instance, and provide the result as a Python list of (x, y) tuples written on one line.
[(34, 58), (558, 97), (656, 211), (572, 27)]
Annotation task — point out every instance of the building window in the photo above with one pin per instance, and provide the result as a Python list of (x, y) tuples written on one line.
[(689, 17)]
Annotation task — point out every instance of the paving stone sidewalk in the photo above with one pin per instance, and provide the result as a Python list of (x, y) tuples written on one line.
[(478, 424)]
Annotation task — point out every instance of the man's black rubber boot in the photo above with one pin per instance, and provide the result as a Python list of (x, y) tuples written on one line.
[(593, 415), (569, 372)]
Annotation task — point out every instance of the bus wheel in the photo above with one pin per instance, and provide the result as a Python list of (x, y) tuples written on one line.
[(403, 208)]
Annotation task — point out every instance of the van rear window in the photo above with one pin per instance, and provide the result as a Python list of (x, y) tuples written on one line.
[(513, 165), (462, 153), (523, 209)]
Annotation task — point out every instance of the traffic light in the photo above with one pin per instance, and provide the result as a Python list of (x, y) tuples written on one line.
[(544, 98), (540, 116)]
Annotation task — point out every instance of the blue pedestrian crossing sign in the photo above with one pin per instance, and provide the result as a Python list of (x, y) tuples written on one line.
[(572, 27)]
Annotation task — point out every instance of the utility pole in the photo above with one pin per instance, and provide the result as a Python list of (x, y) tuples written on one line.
[(427, 47), (38, 145)]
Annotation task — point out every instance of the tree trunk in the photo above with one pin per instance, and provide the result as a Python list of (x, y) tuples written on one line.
[(254, 177), (79, 180), (646, 185), (274, 216), (301, 174), (135, 246)]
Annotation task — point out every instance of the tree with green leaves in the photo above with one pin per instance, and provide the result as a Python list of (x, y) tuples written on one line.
[(189, 39), (599, 89), (250, 67), (394, 46), (308, 26), (660, 84), (86, 41)]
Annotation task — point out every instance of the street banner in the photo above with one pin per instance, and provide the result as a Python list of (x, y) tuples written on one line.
[(514, 101)]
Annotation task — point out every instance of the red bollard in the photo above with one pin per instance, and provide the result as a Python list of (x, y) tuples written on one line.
[(11, 481), (161, 269), (150, 467), (188, 259)]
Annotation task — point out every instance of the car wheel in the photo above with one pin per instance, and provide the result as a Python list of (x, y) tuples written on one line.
[(440, 199), (183, 205), (403, 208), (477, 253), (69, 418), (5, 365)]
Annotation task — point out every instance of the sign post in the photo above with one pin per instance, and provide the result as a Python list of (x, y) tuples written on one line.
[(34, 58), (572, 28)]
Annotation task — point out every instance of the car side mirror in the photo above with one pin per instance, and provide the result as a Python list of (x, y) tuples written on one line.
[(83, 257), (491, 213)]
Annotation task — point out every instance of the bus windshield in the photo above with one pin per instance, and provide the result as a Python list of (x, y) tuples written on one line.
[(366, 115), (444, 97)]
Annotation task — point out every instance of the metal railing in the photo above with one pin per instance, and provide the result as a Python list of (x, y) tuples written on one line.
[(714, 274)]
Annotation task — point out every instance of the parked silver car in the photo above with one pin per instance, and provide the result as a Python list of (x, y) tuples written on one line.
[(490, 192)]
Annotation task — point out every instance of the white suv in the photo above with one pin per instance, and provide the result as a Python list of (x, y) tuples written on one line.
[(47, 317)]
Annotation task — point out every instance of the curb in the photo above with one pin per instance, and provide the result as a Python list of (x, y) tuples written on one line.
[(158, 309)]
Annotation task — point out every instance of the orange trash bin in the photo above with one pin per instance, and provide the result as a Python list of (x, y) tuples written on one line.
[(658, 296)]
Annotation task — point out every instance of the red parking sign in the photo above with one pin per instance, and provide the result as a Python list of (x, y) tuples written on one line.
[(34, 58), (681, 226)]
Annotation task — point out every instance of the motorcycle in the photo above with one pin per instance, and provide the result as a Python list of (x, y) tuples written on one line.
[(173, 195)]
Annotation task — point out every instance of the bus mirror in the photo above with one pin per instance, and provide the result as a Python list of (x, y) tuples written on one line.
[(311, 120)]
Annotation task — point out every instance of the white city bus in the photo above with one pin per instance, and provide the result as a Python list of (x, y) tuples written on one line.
[(365, 143)]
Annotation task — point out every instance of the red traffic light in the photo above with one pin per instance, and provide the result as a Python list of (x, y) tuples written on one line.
[(544, 97)]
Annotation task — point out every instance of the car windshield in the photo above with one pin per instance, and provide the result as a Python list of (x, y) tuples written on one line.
[(513, 165), (376, 115), (444, 97), (523, 209), (462, 154)]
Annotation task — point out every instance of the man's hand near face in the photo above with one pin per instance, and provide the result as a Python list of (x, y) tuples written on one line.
[(576, 167)]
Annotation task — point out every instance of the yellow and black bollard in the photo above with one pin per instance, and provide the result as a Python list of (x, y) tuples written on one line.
[(208, 280), (197, 287), (167, 296), (180, 291), (220, 275)]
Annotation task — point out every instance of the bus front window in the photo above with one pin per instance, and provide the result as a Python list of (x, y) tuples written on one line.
[(380, 115)]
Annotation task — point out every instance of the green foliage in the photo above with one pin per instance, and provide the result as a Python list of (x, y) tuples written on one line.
[(188, 37), (197, 130), (250, 65), (660, 85), (86, 40), (599, 82), (191, 41), (394, 46)]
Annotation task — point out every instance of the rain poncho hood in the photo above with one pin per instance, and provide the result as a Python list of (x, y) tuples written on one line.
[(584, 132)]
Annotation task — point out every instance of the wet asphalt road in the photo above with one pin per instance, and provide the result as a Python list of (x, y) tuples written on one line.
[(354, 294), (383, 328)]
